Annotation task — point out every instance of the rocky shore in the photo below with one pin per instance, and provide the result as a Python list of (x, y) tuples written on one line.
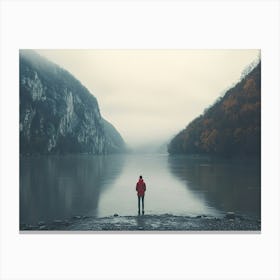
[(165, 222)]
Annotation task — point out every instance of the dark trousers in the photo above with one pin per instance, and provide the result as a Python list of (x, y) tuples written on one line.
[(140, 198)]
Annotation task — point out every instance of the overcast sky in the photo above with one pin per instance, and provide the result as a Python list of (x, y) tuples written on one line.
[(150, 95)]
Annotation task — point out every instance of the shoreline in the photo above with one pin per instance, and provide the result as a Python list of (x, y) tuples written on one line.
[(142, 223)]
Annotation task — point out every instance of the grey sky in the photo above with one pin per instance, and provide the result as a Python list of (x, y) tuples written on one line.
[(150, 95)]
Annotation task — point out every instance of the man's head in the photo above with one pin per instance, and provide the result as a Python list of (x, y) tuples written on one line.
[(140, 177)]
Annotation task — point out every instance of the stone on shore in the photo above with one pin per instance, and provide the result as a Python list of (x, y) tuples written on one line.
[(165, 222), (230, 215)]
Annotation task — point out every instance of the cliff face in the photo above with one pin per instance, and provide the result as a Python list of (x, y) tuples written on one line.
[(58, 114), (230, 127)]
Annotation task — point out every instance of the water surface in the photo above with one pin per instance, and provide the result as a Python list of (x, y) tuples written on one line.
[(59, 187)]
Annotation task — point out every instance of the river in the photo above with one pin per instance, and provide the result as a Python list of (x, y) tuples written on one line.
[(60, 187)]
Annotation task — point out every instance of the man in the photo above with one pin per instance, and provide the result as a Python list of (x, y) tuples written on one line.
[(141, 188)]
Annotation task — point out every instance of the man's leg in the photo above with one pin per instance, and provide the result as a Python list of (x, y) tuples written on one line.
[(138, 204), (143, 204)]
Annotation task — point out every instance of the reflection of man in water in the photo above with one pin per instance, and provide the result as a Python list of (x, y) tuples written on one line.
[(140, 188)]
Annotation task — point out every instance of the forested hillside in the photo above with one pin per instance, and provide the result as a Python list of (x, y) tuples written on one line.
[(230, 127)]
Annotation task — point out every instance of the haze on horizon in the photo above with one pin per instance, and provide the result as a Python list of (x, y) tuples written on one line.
[(151, 95)]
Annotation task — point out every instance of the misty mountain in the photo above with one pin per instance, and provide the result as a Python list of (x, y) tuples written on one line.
[(114, 138), (152, 147), (58, 115), (230, 127)]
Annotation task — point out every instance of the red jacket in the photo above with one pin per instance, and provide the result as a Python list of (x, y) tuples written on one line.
[(140, 187)]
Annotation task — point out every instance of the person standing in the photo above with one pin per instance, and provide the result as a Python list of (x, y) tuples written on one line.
[(141, 188)]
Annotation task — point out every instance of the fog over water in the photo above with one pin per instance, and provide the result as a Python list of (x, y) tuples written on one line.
[(150, 95)]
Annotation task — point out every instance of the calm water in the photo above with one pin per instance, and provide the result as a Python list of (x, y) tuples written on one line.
[(58, 187)]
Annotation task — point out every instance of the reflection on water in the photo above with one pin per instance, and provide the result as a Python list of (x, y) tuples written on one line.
[(58, 187), (165, 193), (227, 185)]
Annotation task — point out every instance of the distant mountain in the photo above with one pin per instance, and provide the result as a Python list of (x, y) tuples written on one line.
[(115, 140), (230, 127), (58, 115), (150, 148)]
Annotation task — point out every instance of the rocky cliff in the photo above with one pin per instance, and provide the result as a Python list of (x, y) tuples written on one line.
[(58, 115)]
